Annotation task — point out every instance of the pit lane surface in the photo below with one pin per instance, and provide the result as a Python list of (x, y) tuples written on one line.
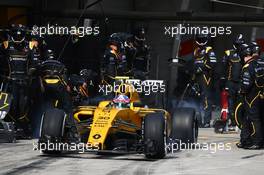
[(19, 158)]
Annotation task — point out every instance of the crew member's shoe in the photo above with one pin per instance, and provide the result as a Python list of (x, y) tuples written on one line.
[(239, 145), (253, 147), (243, 144), (206, 125)]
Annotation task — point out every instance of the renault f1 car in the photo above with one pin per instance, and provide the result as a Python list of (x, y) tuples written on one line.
[(123, 125)]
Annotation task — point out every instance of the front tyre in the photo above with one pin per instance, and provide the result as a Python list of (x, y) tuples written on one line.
[(52, 129), (154, 136)]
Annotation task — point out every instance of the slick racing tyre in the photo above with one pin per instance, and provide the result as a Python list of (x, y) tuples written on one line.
[(154, 136), (184, 125), (52, 129)]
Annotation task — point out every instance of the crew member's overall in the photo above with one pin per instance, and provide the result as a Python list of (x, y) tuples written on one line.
[(19, 61), (232, 65), (204, 62), (251, 133)]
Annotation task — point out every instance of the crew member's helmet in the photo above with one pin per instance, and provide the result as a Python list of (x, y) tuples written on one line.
[(255, 48), (238, 41), (115, 40), (17, 33), (201, 39), (140, 36), (49, 55), (246, 50)]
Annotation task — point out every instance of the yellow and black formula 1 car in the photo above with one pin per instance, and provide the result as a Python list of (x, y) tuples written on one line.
[(123, 125)]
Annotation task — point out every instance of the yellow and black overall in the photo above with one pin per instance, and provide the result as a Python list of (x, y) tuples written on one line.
[(232, 70), (204, 62), (18, 62), (251, 132), (259, 71)]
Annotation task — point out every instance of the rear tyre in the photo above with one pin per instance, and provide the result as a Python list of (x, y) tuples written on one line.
[(154, 136), (52, 129), (184, 125)]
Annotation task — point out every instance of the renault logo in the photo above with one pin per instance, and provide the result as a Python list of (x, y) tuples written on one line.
[(97, 136)]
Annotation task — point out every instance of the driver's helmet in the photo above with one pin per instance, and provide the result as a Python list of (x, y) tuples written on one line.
[(121, 101)]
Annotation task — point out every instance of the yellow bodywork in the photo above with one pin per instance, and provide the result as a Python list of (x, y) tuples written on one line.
[(97, 122), (107, 119)]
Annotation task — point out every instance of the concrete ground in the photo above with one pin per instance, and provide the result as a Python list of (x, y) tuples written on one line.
[(217, 155)]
